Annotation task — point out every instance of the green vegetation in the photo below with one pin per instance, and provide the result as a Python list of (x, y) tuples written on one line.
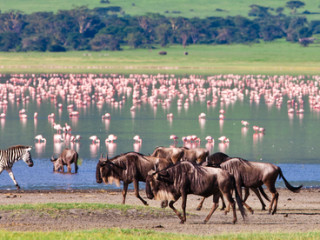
[(279, 57), (107, 28), (68, 206), (133, 234), (185, 8)]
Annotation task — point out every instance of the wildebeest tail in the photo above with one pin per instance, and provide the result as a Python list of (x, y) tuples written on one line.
[(264, 193), (239, 201), (288, 185)]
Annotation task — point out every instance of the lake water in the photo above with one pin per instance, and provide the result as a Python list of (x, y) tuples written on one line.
[(285, 106)]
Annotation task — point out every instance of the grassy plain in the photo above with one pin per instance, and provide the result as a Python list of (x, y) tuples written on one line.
[(186, 8), (279, 57), (138, 234), (122, 233)]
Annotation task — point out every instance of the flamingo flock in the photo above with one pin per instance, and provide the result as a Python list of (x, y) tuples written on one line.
[(75, 92)]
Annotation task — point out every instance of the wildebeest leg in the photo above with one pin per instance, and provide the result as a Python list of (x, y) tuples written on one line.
[(75, 167), (200, 204), (124, 192), (246, 195), (256, 191), (69, 168), (224, 204), (136, 191), (175, 210), (183, 206), (229, 198), (275, 196), (214, 206), (12, 177)]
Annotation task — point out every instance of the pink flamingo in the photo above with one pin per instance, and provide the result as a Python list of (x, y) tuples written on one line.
[(174, 138), (2, 115), (40, 138), (106, 116), (256, 128), (202, 116), (137, 139), (51, 116), (223, 139), (111, 138), (245, 123), (209, 139), (94, 139), (74, 114), (35, 115), (170, 115), (67, 128), (57, 138), (75, 138)]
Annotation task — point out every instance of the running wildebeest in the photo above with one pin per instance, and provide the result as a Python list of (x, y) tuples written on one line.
[(67, 157), (127, 167), (254, 174), (214, 160), (13, 154), (188, 178)]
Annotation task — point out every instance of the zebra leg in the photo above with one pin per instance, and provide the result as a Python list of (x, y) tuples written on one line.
[(13, 179)]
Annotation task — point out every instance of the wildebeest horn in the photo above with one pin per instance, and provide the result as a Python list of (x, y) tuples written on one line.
[(151, 172), (53, 159)]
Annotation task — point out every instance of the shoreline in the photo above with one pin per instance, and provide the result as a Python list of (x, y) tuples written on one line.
[(297, 212)]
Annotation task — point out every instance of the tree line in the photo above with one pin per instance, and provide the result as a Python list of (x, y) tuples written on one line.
[(106, 29)]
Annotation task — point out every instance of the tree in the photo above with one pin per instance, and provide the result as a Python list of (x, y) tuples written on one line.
[(104, 42), (294, 5), (9, 41)]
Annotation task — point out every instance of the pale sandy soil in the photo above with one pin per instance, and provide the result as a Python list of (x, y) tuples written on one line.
[(297, 212)]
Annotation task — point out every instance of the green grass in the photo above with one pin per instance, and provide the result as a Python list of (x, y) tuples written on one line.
[(279, 57), (68, 206), (134, 234), (186, 8), (117, 233)]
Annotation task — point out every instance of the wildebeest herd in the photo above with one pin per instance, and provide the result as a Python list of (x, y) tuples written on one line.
[(171, 173)]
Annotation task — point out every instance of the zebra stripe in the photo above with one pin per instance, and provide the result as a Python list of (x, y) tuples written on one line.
[(9, 156)]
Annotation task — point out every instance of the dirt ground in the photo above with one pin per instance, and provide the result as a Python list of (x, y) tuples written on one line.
[(297, 212)]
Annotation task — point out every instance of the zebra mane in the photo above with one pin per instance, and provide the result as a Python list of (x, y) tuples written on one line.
[(19, 147)]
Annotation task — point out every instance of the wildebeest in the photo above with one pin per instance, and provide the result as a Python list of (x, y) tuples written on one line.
[(13, 154), (173, 154), (196, 155), (127, 167), (176, 154), (254, 175), (188, 178), (67, 157), (214, 160)]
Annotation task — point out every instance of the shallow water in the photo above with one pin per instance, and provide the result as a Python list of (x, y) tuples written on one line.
[(289, 140)]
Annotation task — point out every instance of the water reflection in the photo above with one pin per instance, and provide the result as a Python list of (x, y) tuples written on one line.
[(157, 106)]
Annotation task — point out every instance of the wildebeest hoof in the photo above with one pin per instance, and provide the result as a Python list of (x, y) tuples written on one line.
[(182, 222), (198, 208), (18, 187)]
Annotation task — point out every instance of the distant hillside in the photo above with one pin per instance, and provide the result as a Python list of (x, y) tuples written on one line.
[(185, 8)]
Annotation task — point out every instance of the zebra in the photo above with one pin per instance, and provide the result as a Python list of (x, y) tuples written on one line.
[(11, 155)]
